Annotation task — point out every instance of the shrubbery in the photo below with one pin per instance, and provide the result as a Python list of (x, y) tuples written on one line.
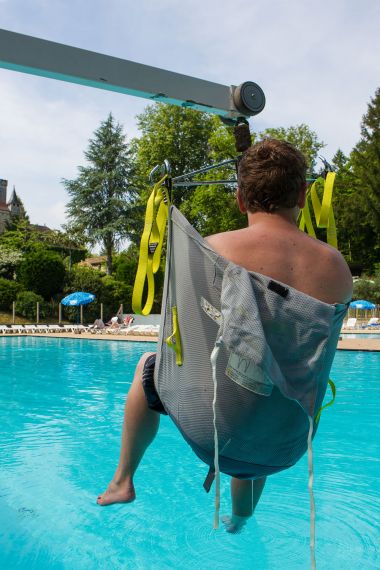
[(367, 288), (43, 272), (26, 305), (8, 293)]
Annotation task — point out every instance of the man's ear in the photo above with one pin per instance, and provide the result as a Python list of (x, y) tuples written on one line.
[(240, 202), (302, 196)]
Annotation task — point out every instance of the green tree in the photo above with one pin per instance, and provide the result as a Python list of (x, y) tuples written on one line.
[(356, 238), (42, 272), (26, 305), (365, 160), (177, 134), (302, 137), (8, 292), (102, 201), (9, 260), (213, 208)]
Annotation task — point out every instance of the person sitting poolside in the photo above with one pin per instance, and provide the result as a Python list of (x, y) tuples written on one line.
[(128, 320), (113, 323), (271, 192), (98, 324)]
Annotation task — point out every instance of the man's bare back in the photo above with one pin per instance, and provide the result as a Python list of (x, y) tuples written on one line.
[(273, 245)]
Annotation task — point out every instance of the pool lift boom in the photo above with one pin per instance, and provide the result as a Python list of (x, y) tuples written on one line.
[(19, 52), (233, 104)]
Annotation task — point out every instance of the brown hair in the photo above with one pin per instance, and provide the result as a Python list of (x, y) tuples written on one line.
[(270, 176)]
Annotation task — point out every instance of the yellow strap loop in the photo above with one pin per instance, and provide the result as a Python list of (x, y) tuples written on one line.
[(330, 403), (150, 247), (323, 213), (174, 340)]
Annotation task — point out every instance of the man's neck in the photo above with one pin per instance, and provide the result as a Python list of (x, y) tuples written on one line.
[(286, 216)]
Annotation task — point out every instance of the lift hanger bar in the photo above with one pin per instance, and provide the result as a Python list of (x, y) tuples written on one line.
[(27, 54)]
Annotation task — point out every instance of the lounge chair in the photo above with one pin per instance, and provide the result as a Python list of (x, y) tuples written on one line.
[(373, 322), (54, 328), (351, 323), (142, 330), (18, 329), (4, 329), (30, 329), (42, 328), (79, 328)]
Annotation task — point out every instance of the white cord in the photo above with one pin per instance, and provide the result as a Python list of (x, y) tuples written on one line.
[(311, 494), (213, 358)]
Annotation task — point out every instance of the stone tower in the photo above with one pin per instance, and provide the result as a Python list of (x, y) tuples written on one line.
[(3, 191), (4, 210), (15, 205)]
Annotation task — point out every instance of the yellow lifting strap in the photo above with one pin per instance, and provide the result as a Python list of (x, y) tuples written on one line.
[(323, 213), (174, 340), (330, 403), (150, 247)]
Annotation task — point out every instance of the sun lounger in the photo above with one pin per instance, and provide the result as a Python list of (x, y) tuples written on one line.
[(4, 329), (30, 329), (42, 328), (54, 328), (351, 323), (142, 330), (18, 329), (373, 322)]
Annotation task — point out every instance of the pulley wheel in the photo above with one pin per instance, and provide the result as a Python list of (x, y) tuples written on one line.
[(249, 98)]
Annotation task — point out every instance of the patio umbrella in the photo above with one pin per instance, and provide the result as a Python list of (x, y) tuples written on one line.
[(362, 304), (77, 299)]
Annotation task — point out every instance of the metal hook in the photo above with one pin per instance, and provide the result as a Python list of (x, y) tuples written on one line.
[(153, 172)]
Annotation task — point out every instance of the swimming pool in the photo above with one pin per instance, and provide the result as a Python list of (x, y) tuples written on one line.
[(62, 405)]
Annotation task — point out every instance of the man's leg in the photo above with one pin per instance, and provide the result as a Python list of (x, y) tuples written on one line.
[(139, 429), (245, 495)]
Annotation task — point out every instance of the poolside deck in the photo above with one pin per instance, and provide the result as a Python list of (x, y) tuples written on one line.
[(366, 344)]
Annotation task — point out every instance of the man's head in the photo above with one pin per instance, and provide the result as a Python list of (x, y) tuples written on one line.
[(271, 176)]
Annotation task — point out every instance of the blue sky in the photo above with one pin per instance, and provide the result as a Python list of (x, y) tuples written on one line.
[(317, 62)]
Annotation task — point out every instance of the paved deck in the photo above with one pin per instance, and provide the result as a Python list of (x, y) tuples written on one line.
[(366, 344)]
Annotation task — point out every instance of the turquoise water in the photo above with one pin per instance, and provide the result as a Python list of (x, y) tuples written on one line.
[(61, 411)]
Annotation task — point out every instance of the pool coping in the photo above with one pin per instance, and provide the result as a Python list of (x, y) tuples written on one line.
[(89, 336), (358, 344)]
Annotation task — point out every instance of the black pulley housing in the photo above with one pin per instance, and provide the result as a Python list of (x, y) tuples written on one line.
[(249, 98)]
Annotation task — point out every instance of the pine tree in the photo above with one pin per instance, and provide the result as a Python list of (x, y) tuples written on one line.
[(102, 196), (365, 160)]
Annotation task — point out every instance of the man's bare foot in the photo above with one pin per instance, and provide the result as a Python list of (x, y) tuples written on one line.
[(117, 493), (234, 524)]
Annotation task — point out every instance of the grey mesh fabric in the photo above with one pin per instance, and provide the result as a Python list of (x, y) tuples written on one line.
[(277, 349)]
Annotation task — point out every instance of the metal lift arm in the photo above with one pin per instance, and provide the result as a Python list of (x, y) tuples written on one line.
[(26, 54)]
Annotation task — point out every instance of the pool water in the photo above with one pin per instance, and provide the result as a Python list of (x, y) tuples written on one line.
[(61, 411)]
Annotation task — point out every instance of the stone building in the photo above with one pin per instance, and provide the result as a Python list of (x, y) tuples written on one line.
[(9, 208)]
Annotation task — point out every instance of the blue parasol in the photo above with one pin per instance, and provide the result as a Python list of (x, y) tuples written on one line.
[(77, 299), (361, 304)]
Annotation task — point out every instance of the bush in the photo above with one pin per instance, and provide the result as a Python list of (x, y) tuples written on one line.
[(42, 272), (26, 305), (8, 293), (107, 290)]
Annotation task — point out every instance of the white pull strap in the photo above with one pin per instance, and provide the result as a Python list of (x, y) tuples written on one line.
[(213, 359), (311, 494)]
